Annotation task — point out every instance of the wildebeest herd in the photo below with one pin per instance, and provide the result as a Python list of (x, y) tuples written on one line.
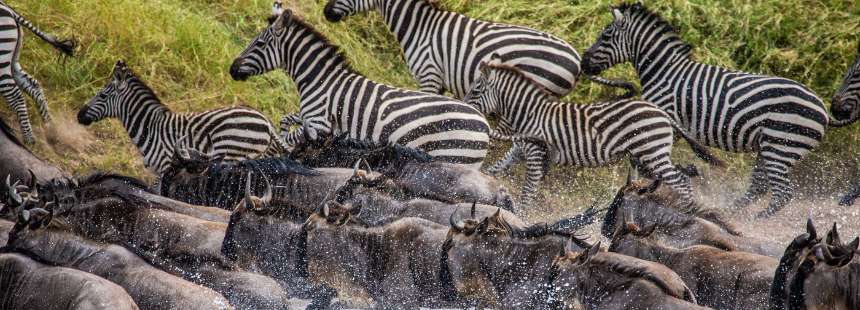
[(371, 195)]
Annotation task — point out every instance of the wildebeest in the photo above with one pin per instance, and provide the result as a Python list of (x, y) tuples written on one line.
[(413, 170), (27, 284), (268, 240), (500, 266), (608, 281), (720, 279), (397, 264), (183, 245), (792, 257), (647, 203), (826, 278), (16, 159), (37, 234)]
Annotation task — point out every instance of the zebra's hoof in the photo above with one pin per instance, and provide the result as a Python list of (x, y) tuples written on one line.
[(767, 213), (846, 201), (29, 140)]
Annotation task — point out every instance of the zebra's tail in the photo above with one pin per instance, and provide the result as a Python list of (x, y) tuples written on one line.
[(629, 87), (834, 123), (700, 150), (67, 47)]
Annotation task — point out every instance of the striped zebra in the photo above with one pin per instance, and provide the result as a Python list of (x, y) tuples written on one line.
[(229, 133), (777, 118), (845, 105), (335, 99), (444, 49), (845, 108), (582, 135), (13, 78)]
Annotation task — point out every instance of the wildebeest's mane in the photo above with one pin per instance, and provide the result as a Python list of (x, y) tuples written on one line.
[(666, 197), (10, 134), (614, 264), (343, 151), (786, 262), (100, 176), (400, 151)]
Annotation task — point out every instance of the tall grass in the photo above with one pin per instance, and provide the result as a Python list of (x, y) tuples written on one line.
[(182, 48)]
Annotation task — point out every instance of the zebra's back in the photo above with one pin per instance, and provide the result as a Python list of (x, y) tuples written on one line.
[(730, 109), (602, 133), (237, 133)]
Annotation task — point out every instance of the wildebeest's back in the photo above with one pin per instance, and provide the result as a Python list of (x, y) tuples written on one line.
[(26, 284), (5, 227), (733, 280), (412, 269)]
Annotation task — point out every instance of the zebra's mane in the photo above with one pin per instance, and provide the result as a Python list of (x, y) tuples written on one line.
[(339, 55), (10, 134), (132, 77), (661, 23), (515, 71)]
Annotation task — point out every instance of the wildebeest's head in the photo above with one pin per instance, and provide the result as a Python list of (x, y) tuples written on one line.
[(629, 239), (824, 276), (16, 195), (249, 203), (28, 221), (484, 256)]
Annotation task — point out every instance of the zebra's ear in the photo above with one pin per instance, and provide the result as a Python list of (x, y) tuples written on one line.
[(619, 17), (284, 20)]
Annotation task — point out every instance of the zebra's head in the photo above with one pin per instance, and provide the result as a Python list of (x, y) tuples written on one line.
[(614, 45), (336, 10), (109, 99), (484, 95), (266, 51), (846, 101)]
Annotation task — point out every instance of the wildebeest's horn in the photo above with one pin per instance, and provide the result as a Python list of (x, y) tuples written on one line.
[(833, 236), (472, 212), (355, 167), (454, 223), (810, 227), (33, 183), (367, 165), (631, 176), (249, 203), (267, 196), (13, 193)]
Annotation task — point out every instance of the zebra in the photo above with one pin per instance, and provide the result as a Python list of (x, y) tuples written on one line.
[(337, 100), (444, 49), (231, 134), (845, 107), (780, 119), (13, 78), (582, 135)]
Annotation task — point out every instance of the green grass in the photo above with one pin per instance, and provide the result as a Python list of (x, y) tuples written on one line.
[(183, 49)]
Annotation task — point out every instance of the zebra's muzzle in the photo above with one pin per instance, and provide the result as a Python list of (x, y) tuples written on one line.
[(237, 73), (83, 118)]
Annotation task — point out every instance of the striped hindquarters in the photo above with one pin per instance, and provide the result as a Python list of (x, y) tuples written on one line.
[(236, 133)]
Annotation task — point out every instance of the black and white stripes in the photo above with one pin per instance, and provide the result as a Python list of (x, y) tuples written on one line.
[(583, 135), (229, 133), (13, 79), (444, 49), (779, 119), (335, 99), (846, 102)]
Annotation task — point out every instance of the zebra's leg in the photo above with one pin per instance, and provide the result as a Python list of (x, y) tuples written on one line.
[(15, 99), (660, 166), (777, 169), (536, 166), (33, 89), (758, 186), (849, 198), (512, 156)]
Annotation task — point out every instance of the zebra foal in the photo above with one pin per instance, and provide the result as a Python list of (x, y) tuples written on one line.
[(337, 100), (582, 135), (229, 133), (778, 118), (845, 108), (13, 78)]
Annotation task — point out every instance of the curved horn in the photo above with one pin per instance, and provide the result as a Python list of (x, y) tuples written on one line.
[(248, 201), (454, 223), (13, 193), (355, 167), (833, 236), (810, 227), (631, 176), (367, 165), (267, 196), (474, 206), (33, 182)]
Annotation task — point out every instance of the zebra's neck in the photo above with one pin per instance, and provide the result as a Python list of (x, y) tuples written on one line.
[(520, 99), (145, 119), (658, 56), (404, 17), (316, 66)]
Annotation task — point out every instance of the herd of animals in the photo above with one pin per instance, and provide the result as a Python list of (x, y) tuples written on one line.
[(371, 195)]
